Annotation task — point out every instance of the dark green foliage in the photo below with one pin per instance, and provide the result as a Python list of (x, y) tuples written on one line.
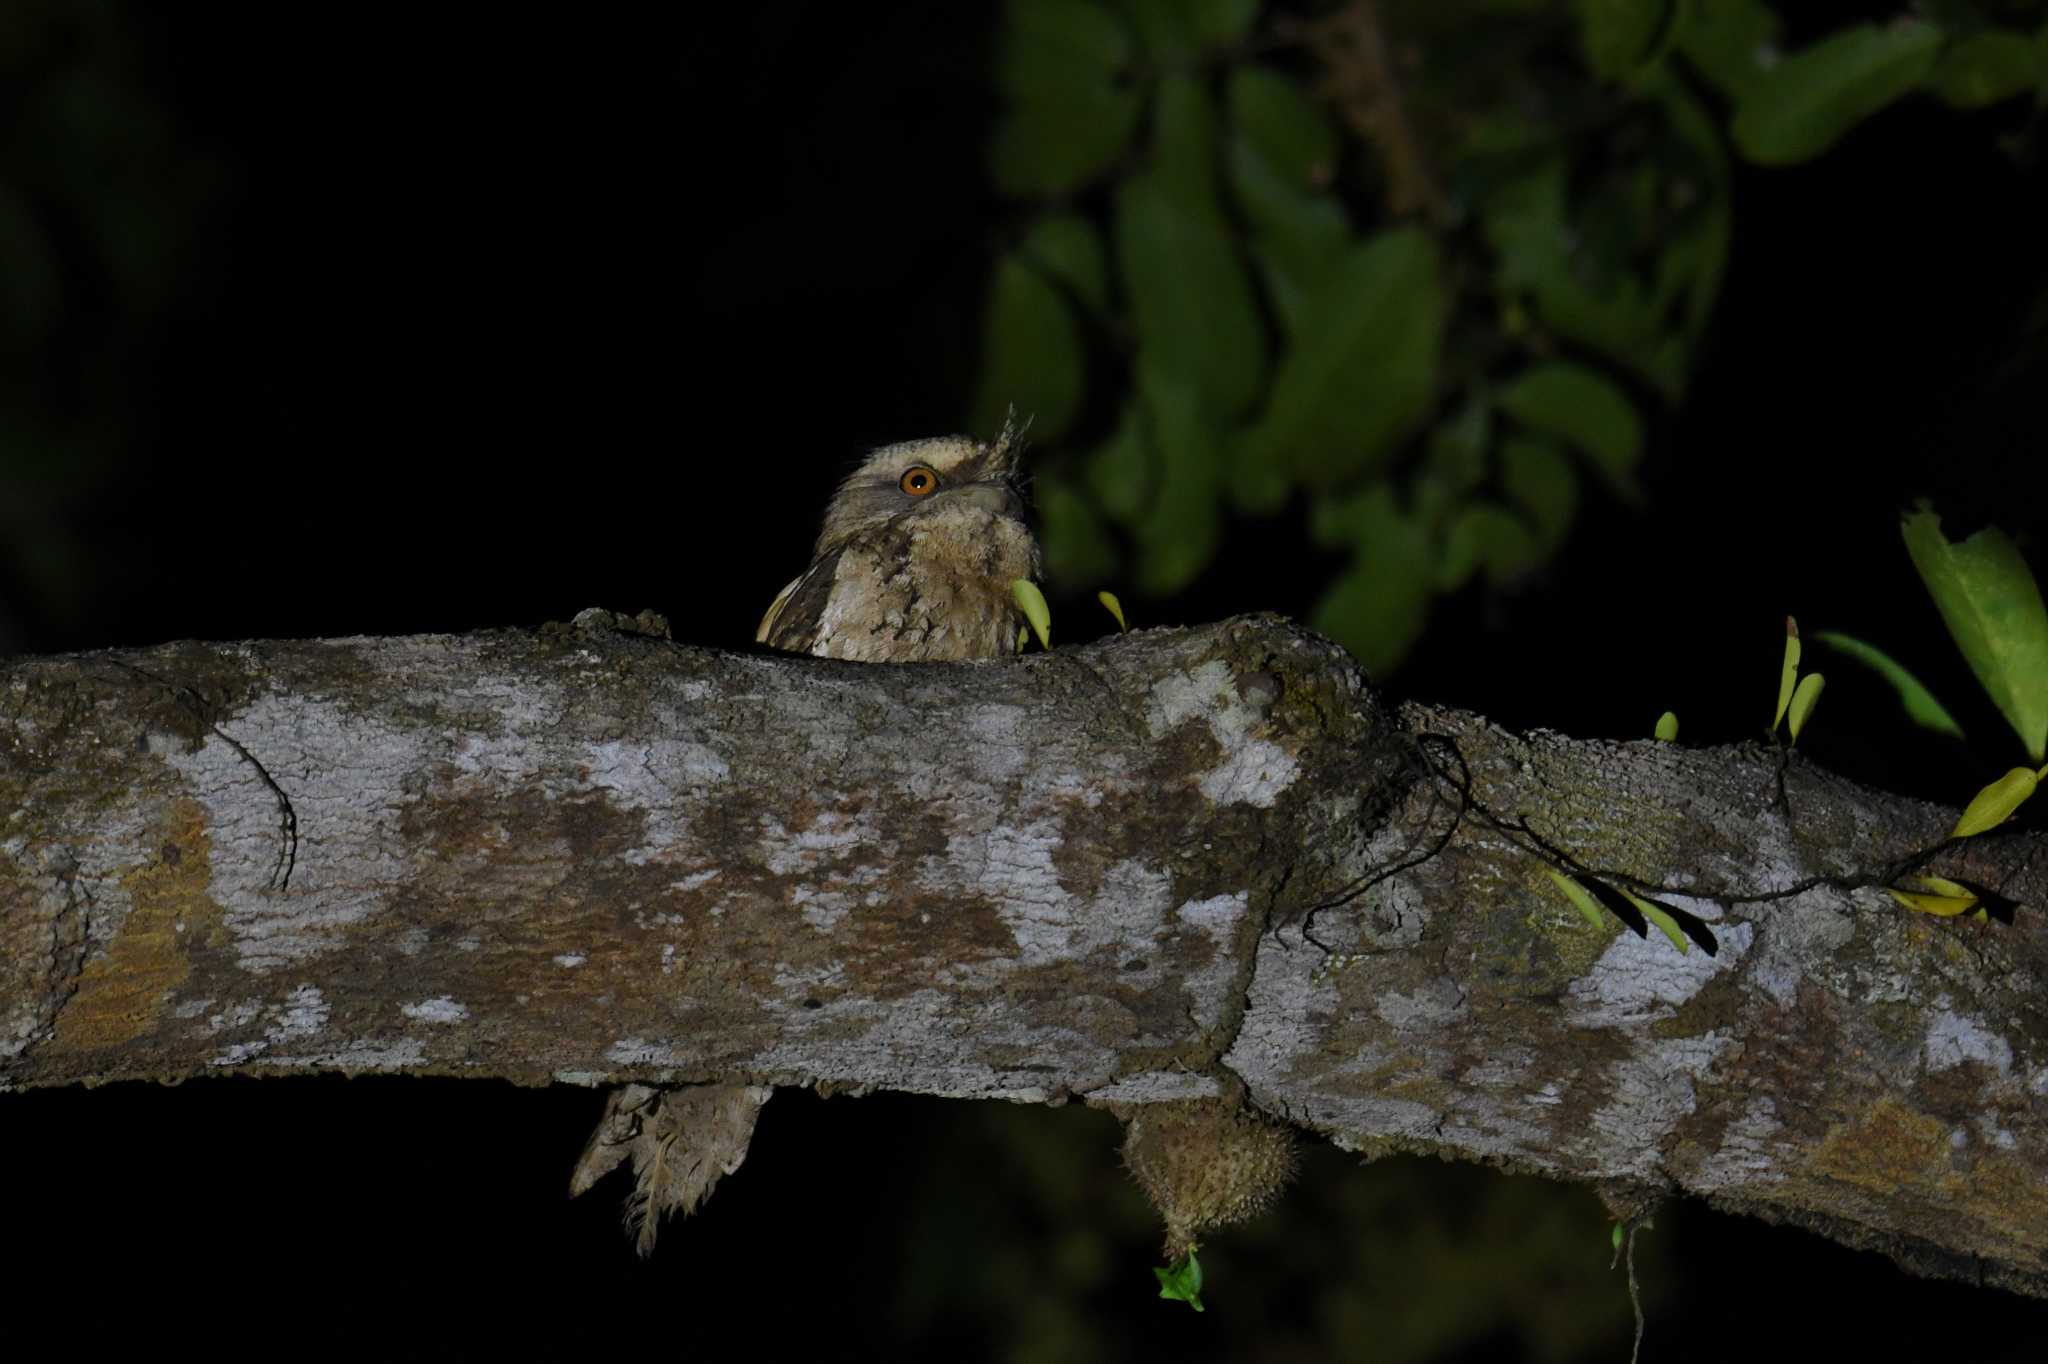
[(1988, 67), (1807, 102), (1069, 115), (1439, 273)]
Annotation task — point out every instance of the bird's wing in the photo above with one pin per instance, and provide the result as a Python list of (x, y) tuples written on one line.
[(792, 619), (781, 600)]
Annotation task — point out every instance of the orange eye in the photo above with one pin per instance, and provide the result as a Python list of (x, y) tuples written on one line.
[(918, 480)]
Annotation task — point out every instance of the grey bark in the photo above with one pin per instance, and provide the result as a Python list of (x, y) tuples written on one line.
[(1175, 864)]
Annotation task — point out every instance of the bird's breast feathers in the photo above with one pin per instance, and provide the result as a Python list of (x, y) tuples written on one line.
[(932, 587)]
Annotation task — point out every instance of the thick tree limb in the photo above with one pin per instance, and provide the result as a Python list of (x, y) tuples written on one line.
[(1173, 864)]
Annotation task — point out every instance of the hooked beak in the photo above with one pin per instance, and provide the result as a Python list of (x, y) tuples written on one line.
[(991, 495), (996, 490)]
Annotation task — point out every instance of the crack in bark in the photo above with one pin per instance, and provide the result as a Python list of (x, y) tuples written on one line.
[(204, 711), (287, 817)]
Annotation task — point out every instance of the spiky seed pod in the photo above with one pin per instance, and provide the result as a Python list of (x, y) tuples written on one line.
[(1205, 1165)]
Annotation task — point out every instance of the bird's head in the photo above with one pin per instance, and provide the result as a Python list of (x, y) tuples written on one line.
[(917, 476)]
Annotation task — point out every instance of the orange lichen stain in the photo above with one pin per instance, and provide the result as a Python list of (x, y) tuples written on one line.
[(1886, 1149), (121, 991), (2005, 1194), (1987, 1194)]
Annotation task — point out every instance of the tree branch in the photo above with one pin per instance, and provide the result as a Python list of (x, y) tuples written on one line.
[(1175, 864), (1358, 75)]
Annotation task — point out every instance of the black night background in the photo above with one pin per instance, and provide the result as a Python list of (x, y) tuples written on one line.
[(327, 320)]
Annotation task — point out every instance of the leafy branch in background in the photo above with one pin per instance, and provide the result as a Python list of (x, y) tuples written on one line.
[(1418, 274), (1992, 605)]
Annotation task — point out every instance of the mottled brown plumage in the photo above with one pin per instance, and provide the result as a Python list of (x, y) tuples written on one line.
[(915, 560), (914, 564)]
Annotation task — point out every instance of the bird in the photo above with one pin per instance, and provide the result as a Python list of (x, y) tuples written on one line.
[(914, 564), (915, 558)]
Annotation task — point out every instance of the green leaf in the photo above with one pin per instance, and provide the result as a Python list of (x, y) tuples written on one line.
[(1995, 804), (1486, 535), (1031, 602), (1991, 904), (1788, 672), (1667, 727), (1537, 477), (1731, 42), (1988, 598), (1283, 126), (1069, 116), (1579, 285), (1945, 899), (1581, 900), (1185, 142), (1043, 38), (1177, 536), (1941, 906), (1119, 471), (1804, 698), (1617, 36), (1363, 367), (1068, 249), (1176, 31), (1985, 68), (1675, 923), (1114, 607), (1919, 703), (1281, 154), (1692, 263), (1191, 296), (1078, 550), (1182, 1282), (1453, 463), (1696, 254), (1525, 224), (1619, 905), (1378, 606), (1259, 484), (1218, 23), (1051, 146), (1810, 100), (1031, 354), (1666, 925), (1583, 408), (1638, 912), (1297, 236)]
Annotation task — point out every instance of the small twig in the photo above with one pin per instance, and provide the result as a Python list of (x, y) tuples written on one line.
[(1360, 80), (1365, 883), (1522, 834)]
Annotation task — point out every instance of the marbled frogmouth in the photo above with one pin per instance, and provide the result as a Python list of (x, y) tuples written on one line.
[(914, 564), (915, 560)]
